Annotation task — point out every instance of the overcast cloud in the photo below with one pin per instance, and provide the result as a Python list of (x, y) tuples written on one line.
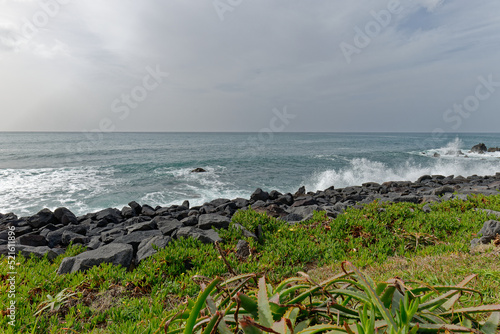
[(63, 68)]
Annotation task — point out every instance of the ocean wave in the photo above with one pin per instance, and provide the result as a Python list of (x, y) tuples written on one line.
[(457, 150), (25, 191), (363, 170)]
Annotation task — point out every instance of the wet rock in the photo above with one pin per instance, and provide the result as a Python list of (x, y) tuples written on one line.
[(479, 148), (198, 170)]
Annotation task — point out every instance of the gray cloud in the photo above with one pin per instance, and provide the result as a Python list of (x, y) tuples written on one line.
[(228, 75)]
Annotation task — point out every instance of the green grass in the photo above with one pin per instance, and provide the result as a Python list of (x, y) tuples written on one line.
[(380, 238)]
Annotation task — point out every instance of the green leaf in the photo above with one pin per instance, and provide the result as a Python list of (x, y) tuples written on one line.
[(264, 310), (476, 309), (490, 327), (322, 328), (195, 311), (249, 305), (213, 321)]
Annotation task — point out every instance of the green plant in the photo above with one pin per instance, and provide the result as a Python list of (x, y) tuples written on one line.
[(350, 302), (54, 303)]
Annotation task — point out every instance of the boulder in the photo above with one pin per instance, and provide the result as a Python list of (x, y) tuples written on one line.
[(145, 226), (259, 195), (190, 221), (114, 253), (41, 251), (198, 170), (205, 236), (488, 233), (65, 217), (146, 249), (168, 226), (134, 239), (246, 233), (42, 218), (108, 216), (443, 190), (242, 249), (54, 238), (136, 207), (111, 235), (479, 148), (241, 203), (128, 212), (33, 240), (72, 237), (148, 211), (207, 221), (300, 192)]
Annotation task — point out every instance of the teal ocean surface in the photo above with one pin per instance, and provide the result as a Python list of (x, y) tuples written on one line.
[(89, 172)]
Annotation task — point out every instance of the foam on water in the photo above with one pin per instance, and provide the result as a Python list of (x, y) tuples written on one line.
[(25, 191), (456, 149), (363, 170)]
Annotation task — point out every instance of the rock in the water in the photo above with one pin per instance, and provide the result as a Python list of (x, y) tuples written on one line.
[(479, 148), (198, 170), (207, 221), (114, 253), (146, 249)]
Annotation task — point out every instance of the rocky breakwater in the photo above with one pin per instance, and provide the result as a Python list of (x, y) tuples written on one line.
[(128, 236)]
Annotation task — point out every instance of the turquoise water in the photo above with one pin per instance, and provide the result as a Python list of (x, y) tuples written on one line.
[(90, 172)]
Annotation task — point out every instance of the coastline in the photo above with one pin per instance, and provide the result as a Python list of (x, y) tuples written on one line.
[(139, 226)]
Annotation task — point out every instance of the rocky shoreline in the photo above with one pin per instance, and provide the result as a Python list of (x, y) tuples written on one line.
[(127, 236)]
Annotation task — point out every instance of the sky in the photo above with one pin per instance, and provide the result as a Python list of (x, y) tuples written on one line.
[(250, 65)]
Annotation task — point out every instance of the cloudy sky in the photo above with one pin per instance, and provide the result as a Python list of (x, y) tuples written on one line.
[(76, 65)]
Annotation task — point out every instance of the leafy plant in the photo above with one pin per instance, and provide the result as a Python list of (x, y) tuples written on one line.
[(54, 303), (350, 302)]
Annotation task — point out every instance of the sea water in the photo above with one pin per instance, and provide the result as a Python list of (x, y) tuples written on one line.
[(90, 172)]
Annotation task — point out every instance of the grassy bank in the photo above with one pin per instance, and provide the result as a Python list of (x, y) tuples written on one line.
[(385, 240)]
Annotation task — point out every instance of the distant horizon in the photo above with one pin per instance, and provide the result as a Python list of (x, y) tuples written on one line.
[(254, 132)]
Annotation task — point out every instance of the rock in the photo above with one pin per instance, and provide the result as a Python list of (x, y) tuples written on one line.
[(207, 221), (168, 226), (148, 211), (32, 240), (436, 155), (273, 195), (242, 249), (443, 190), (185, 204), (479, 148), (114, 253), (205, 236), (488, 233), (300, 192), (198, 170), (42, 218), (134, 239), (111, 235), (426, 208), (54, 238), (65, 216), (145, 226), (424, 178), (108, 216), (494, 149), (94, 243), (246, 233), (218, 202), (259, 195), (286, 199), (190, 221), (146, 249), (136, 220), (41, 251), (128, 212), (136, 207), (304, 211), (241, 203), (72, 237), (305, 201)]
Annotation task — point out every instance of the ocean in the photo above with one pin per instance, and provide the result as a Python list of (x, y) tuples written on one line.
[(93, 171)]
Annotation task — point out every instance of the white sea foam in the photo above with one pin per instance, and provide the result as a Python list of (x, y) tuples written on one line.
[(363, 170), (25, 191), (456, 149)]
